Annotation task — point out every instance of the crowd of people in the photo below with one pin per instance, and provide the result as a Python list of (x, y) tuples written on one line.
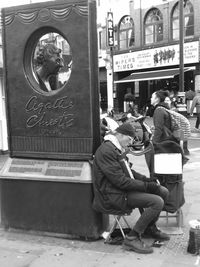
[(119, 188)]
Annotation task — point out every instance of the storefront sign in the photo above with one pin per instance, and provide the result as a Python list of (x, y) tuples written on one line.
[(157, 57), (110, 29)]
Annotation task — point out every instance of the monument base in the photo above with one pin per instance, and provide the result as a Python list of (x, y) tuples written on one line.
[(49, 196)]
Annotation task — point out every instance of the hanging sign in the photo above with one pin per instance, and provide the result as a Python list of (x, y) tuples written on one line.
[(110, 29)]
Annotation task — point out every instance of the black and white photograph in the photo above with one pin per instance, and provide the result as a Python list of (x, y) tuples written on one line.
[(99, 133)]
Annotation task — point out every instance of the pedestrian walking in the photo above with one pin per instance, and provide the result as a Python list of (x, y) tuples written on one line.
[(196, 103), (165, 141), (163, 127), (161, 118)]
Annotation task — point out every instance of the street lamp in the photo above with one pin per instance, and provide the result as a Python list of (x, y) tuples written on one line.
[(181, 48)]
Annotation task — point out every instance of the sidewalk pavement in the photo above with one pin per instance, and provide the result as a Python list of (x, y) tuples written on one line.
[(28, 249)]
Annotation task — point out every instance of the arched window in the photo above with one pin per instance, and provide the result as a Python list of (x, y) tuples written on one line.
[(153, 26), (126, 33), (188, 19)]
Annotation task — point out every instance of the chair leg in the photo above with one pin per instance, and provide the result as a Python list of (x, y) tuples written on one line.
[(117, 218), (179, 217), (125, 220), (117, 222), (111, 230)]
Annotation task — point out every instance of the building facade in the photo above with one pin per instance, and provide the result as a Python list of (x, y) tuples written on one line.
[(146, 57), (118, 9)]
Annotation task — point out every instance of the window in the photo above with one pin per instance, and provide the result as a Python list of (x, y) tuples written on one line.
[(188, 19), (153, 26), (126, 33)]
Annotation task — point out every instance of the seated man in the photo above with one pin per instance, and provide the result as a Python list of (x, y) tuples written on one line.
[(117, 188)]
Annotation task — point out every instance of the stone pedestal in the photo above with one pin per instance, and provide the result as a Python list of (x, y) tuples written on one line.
[(49, 196)]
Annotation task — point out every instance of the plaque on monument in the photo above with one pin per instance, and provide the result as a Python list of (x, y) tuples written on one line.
[(46, 170), (52, 80)]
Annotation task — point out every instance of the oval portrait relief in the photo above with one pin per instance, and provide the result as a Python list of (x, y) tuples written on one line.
[(52, 62)]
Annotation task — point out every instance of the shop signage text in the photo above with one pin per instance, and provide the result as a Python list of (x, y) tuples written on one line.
[(110, 29), (157, 57)]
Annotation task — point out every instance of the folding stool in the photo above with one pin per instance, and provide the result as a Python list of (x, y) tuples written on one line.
[(116, 223)]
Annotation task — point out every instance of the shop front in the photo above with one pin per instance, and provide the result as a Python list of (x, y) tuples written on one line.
[(158, 68)]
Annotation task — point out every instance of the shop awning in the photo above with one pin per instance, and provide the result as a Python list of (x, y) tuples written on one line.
[(151, 75)]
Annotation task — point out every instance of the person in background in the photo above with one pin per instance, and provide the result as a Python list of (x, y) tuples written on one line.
[(132, 109), (107, 123), (117, 188), (174, 100), (168, 101), (196, 103), (161, 121), (189, 95), (129, 97), (161, 118), (129, 100), (110, 112)]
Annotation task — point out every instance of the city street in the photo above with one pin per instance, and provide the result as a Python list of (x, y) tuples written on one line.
[(23, 249), (67, 68)]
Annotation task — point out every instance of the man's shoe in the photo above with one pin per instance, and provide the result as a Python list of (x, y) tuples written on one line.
[(155, 233), (136, 244)]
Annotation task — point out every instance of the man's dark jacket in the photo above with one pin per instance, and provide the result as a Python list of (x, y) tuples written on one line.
[(111, 181)]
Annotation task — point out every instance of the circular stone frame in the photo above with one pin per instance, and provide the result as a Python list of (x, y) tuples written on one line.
[(28, 59)]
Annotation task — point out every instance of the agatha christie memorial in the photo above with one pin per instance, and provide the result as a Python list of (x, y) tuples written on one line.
[(51, 79)]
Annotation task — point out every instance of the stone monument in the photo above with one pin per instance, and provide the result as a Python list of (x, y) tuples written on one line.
[(51, 79)]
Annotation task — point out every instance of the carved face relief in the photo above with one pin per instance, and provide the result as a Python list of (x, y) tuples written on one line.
[(52, 62)]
